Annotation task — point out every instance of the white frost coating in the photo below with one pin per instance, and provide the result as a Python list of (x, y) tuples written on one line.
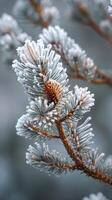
[(8, 24), (99, 196), (71, 52), (37, 66), (83, 96), (11, 36), (49, 13), (45, 80), (46, 160)]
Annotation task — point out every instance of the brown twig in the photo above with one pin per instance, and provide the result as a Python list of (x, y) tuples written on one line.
[(100, 77), (80, 165), (38, 8), (83, 9), (97, 28), (73, 154)]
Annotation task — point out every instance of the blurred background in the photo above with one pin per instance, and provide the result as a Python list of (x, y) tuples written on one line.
[(19, 181)]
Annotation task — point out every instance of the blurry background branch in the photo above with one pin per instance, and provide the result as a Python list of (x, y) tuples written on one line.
[(39, 12), (79, 65), (38, 8), (96, 14)]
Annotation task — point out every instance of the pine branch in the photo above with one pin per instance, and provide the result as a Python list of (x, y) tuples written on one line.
[(54, 112), (41, 132), (82, 13), (79, 65), (101, 77), (47, 160), (39, 13)]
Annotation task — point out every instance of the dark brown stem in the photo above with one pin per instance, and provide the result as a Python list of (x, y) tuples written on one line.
[(80, 165), (68, 147), (97, 174)]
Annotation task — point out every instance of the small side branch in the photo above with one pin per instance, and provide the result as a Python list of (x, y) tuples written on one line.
[(64, 166), (41, 132), (101, 77)]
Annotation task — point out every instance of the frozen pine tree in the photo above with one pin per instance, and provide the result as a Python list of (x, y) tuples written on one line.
[(56, 112)]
